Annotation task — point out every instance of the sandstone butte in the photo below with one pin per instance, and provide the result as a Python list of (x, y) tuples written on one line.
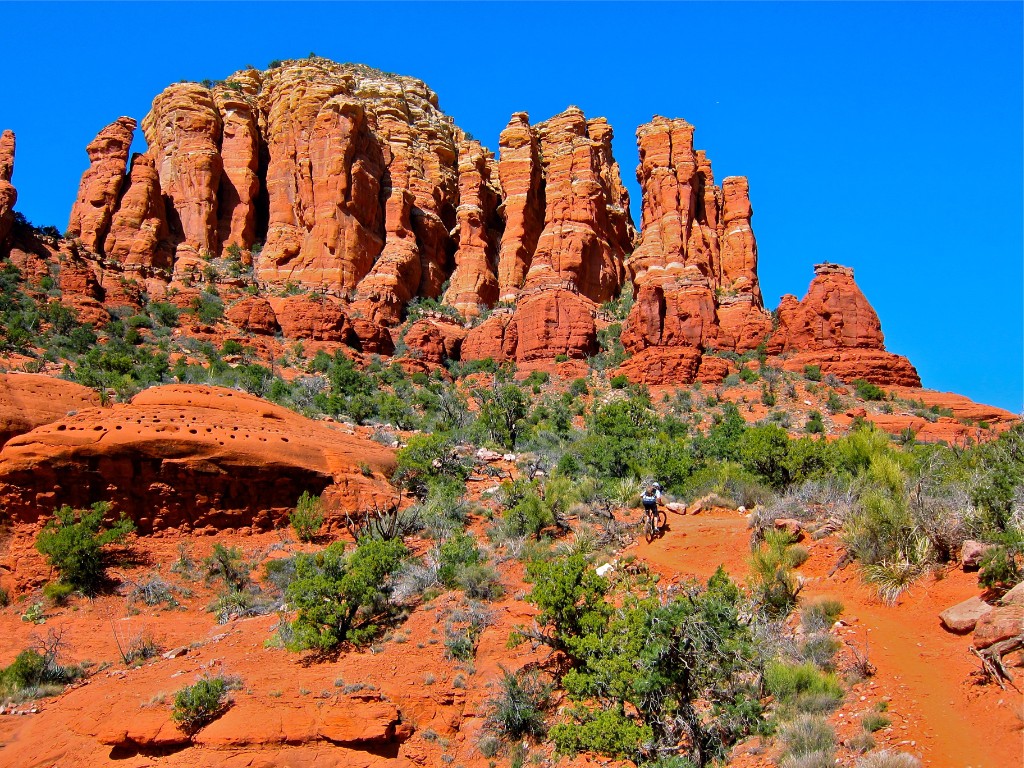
[(351, 187)]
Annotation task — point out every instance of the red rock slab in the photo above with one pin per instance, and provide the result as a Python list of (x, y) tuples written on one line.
[(190, 456), (29, 400)]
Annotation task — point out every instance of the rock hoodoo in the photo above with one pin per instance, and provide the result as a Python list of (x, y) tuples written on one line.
[(352, 186), (8, 194)]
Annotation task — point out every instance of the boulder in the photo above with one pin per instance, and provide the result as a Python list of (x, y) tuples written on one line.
[(791, 526), (1015, 596), (963, 616), (1001, 623), (971, 554)]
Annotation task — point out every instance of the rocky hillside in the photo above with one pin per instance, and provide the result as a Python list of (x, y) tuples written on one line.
[(322, 201)]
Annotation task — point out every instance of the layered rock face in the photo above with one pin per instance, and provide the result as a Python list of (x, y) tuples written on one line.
[(351, 183), (835, 327), (695, 268), (186, 456), (8, 194), (101, 184)]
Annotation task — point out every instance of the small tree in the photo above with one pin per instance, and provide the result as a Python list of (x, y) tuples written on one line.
[(341, 598), (198, 704), (307, 517), (73, 543)]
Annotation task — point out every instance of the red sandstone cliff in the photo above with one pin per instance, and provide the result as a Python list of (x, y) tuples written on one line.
[(351, 183), (8, 194)]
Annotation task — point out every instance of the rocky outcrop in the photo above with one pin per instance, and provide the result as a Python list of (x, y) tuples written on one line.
[(183, 130), (187, 457), (253, 315), (522, 185), (138, 238), (496, 338), (474, 283), (239, 150), (552, 323), (8, 194), (587, 230), (29, 400), (434, 340), (101, 184), (695, 268), (835, 327)]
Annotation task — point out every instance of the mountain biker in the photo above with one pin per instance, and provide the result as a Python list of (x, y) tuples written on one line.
[(651, 498)]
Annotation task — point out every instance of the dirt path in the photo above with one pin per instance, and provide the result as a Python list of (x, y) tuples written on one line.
[(939, 711)]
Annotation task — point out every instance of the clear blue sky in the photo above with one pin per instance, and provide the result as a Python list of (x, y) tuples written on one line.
[(885, 136)]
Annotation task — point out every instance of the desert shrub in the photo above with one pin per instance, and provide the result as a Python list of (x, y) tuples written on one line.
[(819, 615), (57, 592), (888, 759), (875, 721), (164, 313), (834, 404), (200, 703), (228, 565), (479, 582), (773, 584), (517, 710), (803, 687), (865, 390), (815, 425), (502, 414), (1002, 566), (307, 517), (812, 372), (152, 591), (453, 555), (342, 598), (807, 734), (570, 596), (430, 461), (207, 307), (821, 759), (579, 387), (608, 732), (619, 381), (74, 541), (37, 671), (528, 516), (862, 741), (820, 650), (5, 597)]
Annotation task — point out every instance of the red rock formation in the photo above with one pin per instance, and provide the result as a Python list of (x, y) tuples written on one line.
[(341, 138), (8, 194), (835, 327), (586, 228), (302, 317), (186, 456), (183, 130), (497, 338), (254, 315), (138, 237), (28, 400), (522, 185), (555, 322), (101, 184), (474, 283), (434, 340), (239, 150), (690, 291)]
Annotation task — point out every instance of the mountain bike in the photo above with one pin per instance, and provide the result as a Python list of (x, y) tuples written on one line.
[(654, 523)]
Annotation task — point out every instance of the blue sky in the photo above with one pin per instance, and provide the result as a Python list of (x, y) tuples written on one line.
[(883, 136)]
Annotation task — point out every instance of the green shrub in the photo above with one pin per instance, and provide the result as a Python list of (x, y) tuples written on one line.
[(454, 554), (608, 732), (529, 516), (5, 597), (307, 517), (620, 381), (37, 672), (342, 598), (748, 376), (820, 650), (834, 404), (518, 708), (820, 615), (208, 308), (57, 592), (479, 582), (73, 543), (199, 704), (231, 347), (812, 372), (807, 734), (815, 425), (227, 564), (773, 584), (865, 390), (1001, 567), (579, 387), (803, 686), (875, 721)]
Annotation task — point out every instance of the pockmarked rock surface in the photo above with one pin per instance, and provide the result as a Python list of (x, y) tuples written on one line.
[(181, 456), (29, 400)]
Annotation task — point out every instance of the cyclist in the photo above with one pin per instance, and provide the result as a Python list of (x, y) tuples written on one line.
[(651, 498)]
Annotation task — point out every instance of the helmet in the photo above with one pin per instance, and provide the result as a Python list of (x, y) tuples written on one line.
[(657, 486)]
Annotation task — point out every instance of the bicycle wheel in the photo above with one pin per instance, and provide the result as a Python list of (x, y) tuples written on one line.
[(662, 521), (648, 526)]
